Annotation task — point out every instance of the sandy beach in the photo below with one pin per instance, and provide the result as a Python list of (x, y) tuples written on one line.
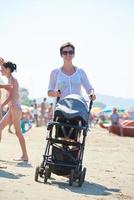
[(108, 158)]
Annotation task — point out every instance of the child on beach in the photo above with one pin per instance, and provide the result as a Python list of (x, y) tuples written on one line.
[(25, 123), (14, 112)]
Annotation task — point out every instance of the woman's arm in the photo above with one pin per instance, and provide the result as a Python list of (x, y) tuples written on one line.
[(6, 87), (87, 85), (52, 84), (6, 101)]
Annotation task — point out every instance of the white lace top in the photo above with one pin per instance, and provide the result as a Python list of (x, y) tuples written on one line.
[(69, 84)]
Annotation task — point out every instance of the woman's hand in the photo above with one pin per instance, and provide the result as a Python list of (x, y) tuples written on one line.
[(92, 97), (1, 61), (57, 93), (6, 87), (54, 93)]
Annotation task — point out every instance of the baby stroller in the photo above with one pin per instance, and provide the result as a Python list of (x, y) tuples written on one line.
[(66, 140)]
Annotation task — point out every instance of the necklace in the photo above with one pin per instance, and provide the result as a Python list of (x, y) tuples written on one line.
[(68, 71)]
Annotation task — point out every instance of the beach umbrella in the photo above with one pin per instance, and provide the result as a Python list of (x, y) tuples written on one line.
[(96, 110), (121, 109), (109, 109)]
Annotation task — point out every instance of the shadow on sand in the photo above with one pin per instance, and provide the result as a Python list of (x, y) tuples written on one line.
[(88, 188), (16, 163), (9, 175), (24, 164)]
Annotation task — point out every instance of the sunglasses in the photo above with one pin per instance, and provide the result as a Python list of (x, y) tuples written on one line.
[(67, 52)]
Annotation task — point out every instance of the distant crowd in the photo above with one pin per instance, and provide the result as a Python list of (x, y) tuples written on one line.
[(37, 114), (42, 113)]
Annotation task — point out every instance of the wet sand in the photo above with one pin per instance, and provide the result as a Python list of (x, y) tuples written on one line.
[(109, 160)]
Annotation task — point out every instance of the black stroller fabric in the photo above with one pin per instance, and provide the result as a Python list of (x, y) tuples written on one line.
[(72, 107), (66, 138)]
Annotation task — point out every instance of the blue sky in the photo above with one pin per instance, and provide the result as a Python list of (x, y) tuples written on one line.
[(31, 32)]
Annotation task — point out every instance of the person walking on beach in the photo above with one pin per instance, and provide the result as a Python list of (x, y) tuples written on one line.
[(14, 112), (43, 112), (50, 112), (69, 79), (36, 113)]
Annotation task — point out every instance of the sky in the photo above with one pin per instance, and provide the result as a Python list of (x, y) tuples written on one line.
[(102, 31)]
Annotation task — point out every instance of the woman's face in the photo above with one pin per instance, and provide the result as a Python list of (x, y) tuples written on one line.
[(4, 71), (67, 53)]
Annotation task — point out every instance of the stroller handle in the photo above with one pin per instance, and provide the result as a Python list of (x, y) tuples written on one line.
[(90, 105), (58, 98), (89, 112), (91, 100)]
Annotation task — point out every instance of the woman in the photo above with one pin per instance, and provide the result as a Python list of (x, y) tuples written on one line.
[(13, 116), (43, 112), (68, 79)]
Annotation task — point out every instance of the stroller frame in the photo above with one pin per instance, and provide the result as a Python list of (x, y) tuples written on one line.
[(70, 152)]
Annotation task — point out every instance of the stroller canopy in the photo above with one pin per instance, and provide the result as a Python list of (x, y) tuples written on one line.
[(71, 107)]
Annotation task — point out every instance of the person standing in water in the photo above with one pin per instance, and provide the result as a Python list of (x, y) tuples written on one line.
[(14, 112)]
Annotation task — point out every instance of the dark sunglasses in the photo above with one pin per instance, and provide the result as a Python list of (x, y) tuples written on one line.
[(67, 52)]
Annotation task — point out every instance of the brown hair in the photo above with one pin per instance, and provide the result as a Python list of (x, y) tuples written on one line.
[(67, 44), (10, 65)]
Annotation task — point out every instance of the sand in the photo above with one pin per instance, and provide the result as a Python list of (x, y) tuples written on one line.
[(109, 160)]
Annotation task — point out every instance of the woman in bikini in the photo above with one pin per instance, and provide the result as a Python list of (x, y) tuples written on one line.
[(14, 112)]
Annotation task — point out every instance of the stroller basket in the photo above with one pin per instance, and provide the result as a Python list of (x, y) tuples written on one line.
[(66, 156), (63, 160)]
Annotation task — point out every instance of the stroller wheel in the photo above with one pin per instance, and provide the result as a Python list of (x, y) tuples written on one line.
[(47, 174), (71, 178), (41, 171), (48, 171), (36, 173), (82, 177)]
